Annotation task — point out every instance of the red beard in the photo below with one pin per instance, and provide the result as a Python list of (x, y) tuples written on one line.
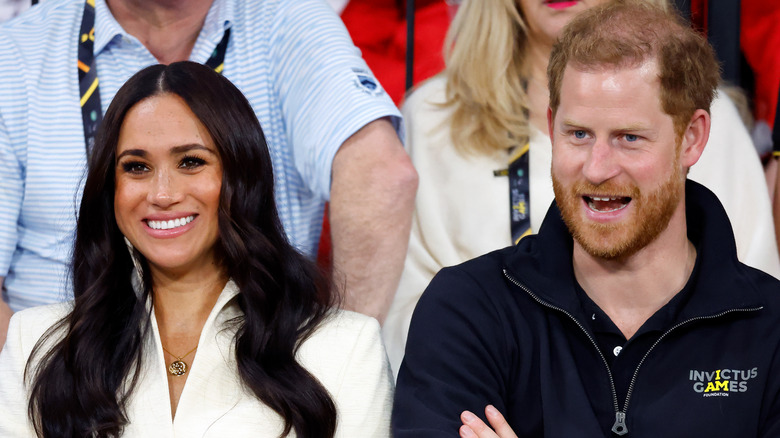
[(614, 241)]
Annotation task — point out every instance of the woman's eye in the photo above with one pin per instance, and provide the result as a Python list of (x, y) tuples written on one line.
[(580, 134), (134, 167), (191, 162)]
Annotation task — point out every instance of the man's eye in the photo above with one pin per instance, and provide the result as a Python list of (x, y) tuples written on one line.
[(191, 162), (580, 134), (631, 137)]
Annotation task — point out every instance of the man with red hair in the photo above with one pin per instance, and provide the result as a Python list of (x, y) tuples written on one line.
[(628, 313)]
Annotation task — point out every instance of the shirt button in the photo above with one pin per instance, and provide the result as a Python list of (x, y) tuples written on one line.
[(617, 350)]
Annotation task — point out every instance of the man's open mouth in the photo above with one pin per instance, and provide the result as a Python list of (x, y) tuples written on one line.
[(606, 204)]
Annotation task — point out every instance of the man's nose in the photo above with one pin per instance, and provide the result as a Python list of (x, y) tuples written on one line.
[(601, 164)]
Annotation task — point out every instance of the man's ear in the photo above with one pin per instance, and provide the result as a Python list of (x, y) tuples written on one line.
[(550, 122), (695, 137)]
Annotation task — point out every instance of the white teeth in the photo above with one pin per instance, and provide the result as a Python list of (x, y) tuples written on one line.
[(593, 207), (167, 225), (603, 199)]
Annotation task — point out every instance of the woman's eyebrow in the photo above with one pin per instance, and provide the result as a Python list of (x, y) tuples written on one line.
[(188, 147), (134, 152), (174, 150)]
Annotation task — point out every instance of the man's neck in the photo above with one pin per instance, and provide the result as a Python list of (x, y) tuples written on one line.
[(168, 28), (630, 291)]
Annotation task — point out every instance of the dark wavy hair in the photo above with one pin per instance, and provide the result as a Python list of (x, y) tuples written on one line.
[(90, 360)]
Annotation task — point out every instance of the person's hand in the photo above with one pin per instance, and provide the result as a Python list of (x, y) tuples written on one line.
[(473, 427)]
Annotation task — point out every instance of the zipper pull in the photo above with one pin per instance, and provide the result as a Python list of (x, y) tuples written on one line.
[(620, 428)]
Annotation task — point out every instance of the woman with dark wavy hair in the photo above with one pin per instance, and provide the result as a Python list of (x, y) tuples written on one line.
[(184, 280)]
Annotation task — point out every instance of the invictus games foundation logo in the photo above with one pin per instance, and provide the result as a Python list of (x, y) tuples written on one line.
[(720, 383)]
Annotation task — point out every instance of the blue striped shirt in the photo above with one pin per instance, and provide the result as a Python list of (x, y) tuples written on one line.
[(293, 59)]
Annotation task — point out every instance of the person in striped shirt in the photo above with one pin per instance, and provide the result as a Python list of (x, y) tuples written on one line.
[(332, 131)]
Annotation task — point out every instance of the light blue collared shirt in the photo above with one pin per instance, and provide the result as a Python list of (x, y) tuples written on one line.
[(293, 60)]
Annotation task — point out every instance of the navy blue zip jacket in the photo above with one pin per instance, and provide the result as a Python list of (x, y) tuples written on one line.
[(509, 329)]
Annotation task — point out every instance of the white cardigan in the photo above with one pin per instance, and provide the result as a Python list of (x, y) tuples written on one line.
[(462, 210), (345, 354)]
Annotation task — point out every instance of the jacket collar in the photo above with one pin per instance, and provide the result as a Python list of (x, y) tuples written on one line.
[(543, 262), (212, 376)]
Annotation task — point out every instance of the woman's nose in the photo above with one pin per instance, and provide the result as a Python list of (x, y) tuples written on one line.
[(163, 189)]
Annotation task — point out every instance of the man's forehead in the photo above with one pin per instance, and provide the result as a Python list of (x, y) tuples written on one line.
[(627, 99), (589, 85), (647, 67)]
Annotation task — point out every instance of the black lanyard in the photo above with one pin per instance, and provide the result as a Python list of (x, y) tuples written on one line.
[(519, 193), (776, 131), (89, 90)]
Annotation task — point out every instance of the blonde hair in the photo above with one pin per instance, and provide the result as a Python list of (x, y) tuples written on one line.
[(485, 59), (484, 52)]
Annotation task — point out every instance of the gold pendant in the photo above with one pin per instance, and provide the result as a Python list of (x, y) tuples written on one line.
[(177, 368)]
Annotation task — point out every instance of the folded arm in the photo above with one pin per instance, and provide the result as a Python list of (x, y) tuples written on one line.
[(456, 359)]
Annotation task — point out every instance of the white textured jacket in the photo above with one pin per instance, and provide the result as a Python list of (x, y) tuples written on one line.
[(345, 354)]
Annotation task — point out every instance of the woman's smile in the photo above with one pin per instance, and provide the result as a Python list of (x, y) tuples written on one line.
[(169, 224)]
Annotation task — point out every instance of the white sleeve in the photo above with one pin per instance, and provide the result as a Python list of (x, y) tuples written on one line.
[(364, 398), (14, 421)]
